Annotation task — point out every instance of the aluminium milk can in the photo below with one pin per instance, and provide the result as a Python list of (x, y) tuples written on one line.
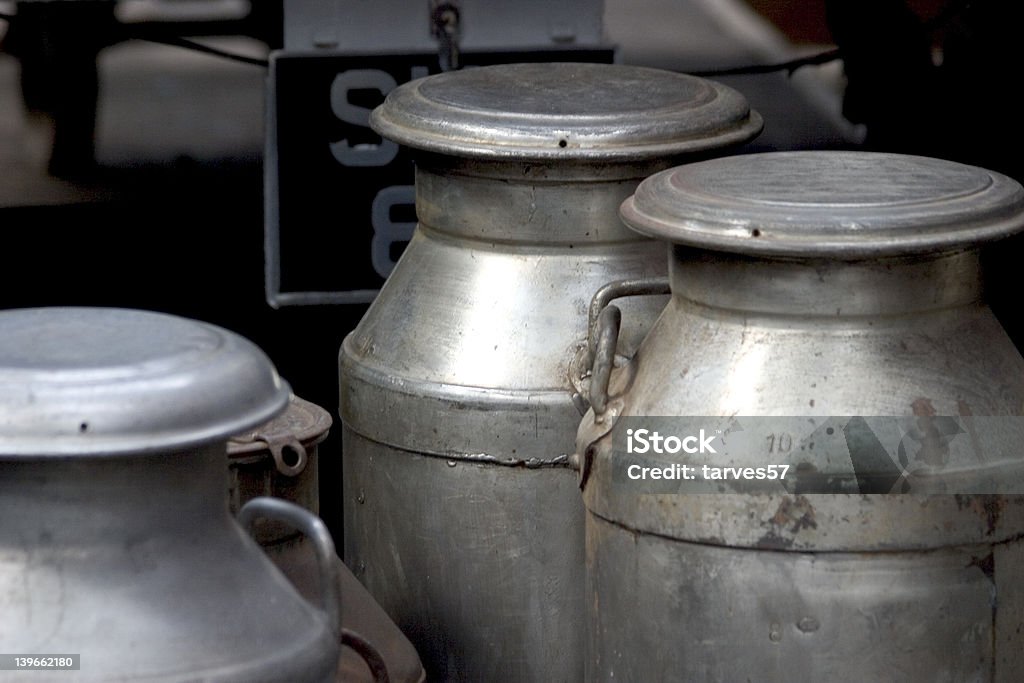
[(461, 514), (279, 458), (826, 317), (116, 543)]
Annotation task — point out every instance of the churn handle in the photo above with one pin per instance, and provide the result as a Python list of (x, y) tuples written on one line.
[(615, 290), (369, 653), (600, 377), (608, 323), (600, 357), (314, 528)]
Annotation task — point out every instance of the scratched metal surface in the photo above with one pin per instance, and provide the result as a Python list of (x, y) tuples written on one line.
[(713, 613), (476, 563)]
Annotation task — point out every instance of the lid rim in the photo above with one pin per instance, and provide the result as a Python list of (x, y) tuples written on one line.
[(679, 209), (496, 151), (448, 119), (61, 447), (309, 434), (88, 382)]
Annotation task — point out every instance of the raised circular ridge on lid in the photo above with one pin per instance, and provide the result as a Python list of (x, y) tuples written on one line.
[(572, 111), (829, 204), (107, 381)]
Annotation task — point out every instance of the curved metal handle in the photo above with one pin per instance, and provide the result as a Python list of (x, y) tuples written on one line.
[(314, 528), (604, 357), (615, 290), (366, 650)]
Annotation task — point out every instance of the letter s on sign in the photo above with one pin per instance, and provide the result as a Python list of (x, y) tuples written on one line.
[(344, 83)]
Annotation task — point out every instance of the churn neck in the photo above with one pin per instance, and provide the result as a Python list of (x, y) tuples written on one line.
[(522, 203), (825, 288), (116, 498)]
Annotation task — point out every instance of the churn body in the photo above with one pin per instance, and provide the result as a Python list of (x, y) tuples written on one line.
[(461, 514), (827, 290)]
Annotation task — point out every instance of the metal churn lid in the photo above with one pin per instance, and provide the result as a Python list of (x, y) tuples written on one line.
[(104, 381), (302, 426), (846, 205), (565, 111)]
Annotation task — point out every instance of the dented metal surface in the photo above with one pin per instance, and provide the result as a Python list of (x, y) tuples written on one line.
[(814, 285)]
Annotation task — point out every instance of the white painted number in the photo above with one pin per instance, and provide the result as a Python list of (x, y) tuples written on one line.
[(387, 231)]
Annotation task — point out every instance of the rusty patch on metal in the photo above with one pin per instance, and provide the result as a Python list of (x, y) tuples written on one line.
[(990, 507), (772, 541), (797, 511), (965, 411), (993, 506), (986, 564), (923, 407), (934, 434)]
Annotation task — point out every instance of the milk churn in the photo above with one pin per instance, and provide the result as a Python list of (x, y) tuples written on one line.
[(461, 515), (827, 318), (279, 458), (115, 539)]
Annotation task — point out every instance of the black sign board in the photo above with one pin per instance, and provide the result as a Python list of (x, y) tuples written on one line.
[(339, 199)]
